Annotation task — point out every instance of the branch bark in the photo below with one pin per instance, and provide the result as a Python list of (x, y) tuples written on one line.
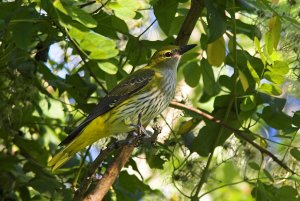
[(111, 174), (189, 22)]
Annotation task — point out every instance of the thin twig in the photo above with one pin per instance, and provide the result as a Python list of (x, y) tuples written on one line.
[(147, 29), (239, 133)]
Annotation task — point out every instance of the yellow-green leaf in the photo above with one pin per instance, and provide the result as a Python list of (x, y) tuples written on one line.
[(253, 72), (275, 29), (108, 67), (243, 80), (124, 9), (99, 46), (269, 41), (76, 14), (216, 52), (258, 49), (270, 89)]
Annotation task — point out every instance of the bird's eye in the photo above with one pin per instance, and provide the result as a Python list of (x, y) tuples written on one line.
[(168, 54)]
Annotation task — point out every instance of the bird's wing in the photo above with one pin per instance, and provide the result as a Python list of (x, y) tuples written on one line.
[(132, 84)]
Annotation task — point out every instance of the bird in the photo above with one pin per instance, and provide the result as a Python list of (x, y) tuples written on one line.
[(141, 96)]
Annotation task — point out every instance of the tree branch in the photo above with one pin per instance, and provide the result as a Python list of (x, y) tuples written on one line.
[(237, 132), (189, 22), (124, 149)]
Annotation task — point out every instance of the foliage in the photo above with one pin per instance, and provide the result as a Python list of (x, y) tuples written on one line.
[(58, 58)]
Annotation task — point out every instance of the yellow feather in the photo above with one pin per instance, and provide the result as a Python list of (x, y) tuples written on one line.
[(94, 131)]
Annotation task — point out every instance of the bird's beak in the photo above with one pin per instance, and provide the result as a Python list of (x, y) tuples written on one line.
[(185, 48)]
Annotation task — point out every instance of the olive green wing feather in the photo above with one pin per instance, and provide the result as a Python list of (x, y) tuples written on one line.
[(132, 84)]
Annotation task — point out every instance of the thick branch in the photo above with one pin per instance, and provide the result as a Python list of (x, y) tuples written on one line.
[(111, 174), (189, 22), (124, 148), (237, 132)]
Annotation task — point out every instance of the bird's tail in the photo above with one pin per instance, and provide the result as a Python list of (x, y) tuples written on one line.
[(90, 134), (59, 159)]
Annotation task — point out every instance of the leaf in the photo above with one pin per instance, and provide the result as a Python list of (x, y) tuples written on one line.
[(137, 52), (243, 80), (295, 153), (32, 148), (99, 46), (192, 72), (216, 52), (254, 74), (269, 41), (270, 89), (187, 126), (248, 104), (108, 67), (274, 77), (216, 20), (258, 48), (254, 166), (296, 118), (276, 119), (164, 12), (275, 28), (280, 67), (176, 25), (287, 193), (208, 78), (75, 13), (124, 9), (249, 30)]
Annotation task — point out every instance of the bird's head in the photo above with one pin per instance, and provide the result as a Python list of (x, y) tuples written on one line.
[(169, 55)]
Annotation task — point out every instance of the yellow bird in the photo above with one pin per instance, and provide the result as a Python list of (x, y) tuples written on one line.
[(147, 92)]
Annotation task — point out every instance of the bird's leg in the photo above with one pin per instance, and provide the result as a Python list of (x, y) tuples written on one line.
[(140, 129)]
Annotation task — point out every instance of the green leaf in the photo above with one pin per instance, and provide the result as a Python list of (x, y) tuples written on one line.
[(249, 30), (276, 119), (216, 52), (176, 25), (254, 74), (32, 148), (243, 80), (135, 191), (295, 153), (208, 78), (287, 193), (192, 72), (137, 52), (269, 41), (280, 67), (258, 48), (268, 174), (45, 185), (75, 13), (275, 29), (124, 9), (274, 77), (99, 46), (248, 104), (164, 12), (216, 20), (254, 166), (108, 67), (296, 118), (270, 89)]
